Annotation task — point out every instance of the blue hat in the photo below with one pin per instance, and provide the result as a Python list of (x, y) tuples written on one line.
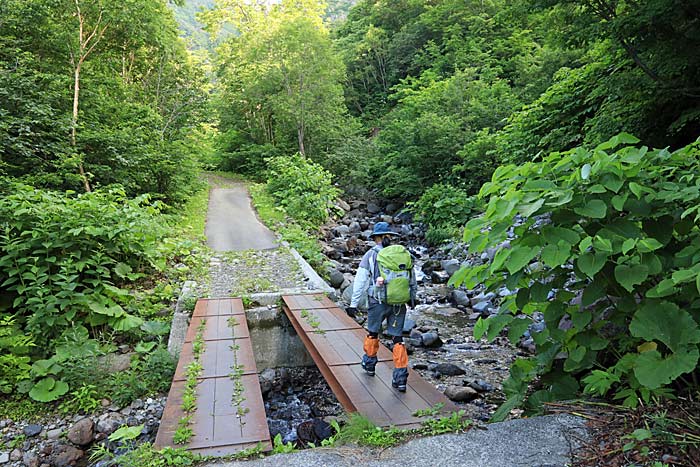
[(382, 228)]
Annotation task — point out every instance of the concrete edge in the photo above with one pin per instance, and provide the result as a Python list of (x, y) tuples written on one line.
[(315, 281), (181, 319)]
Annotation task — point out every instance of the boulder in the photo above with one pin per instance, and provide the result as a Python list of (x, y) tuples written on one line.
[(32, 430), (461, 394), (30, 459), (343, 205), (336, 278), (65, 455), (373, 208), (482, 307), (459, 297), (341, 230), (82, 432), (450, 266), (439, 277), (449, 369), (387, 219), (391, 208), (109, 423), (354, 227), (431, 339)]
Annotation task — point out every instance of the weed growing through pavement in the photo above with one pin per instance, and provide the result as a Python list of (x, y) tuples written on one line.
[(312, 321), (236, 376), (184, 432)]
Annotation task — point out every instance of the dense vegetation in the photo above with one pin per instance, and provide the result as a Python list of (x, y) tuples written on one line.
[(102, 115), (489, 113)]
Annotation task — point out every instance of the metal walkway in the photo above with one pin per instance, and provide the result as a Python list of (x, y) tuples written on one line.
[(335, 341), (229, 417)]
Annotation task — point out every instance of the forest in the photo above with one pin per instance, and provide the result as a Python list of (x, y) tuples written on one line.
[(575, 121)]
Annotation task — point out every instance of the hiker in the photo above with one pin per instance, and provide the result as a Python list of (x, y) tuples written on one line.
[(386, 276)]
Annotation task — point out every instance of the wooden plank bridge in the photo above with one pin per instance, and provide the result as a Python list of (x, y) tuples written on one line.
[(222, 424)]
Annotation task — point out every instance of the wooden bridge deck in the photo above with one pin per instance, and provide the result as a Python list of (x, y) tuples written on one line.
[(219, 425), (335, 341)]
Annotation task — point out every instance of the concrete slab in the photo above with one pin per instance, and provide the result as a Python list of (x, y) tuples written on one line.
[(534, 442)]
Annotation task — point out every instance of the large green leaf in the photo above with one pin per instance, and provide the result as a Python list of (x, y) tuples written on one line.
[(654, 371), (556, 255), (590, 263), (665, 322), (520, 257), (629, 276), (48, 389), (595, 208)]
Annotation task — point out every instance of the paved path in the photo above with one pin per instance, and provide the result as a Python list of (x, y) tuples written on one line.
[(534, 442), (232, 224)]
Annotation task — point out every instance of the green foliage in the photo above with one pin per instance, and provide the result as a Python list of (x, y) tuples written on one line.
[(63, 259), (84, 399), (303, 188), (145, 454), (444, 209), (14, 360), (620, 232), (140, 97), (453, 423), (278, 447), (126, 433)]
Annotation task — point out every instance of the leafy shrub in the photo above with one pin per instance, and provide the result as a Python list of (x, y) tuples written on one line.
[(444, 209), (302, 187), (62, 259), (609, 252), (14, 350)]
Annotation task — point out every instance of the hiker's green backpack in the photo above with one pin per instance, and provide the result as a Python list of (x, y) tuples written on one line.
[(395, 266)]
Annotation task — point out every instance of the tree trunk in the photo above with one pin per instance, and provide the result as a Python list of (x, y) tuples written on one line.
[(74, 123)]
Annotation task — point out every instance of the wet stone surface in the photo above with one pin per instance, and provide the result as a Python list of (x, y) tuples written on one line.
[(293, 396)]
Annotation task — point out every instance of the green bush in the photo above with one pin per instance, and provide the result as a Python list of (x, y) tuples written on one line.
[(302, 187), (614, 266), (63, 259), (444, 209)]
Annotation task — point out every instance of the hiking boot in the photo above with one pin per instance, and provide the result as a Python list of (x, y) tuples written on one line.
[(369, 364), (399, 379)]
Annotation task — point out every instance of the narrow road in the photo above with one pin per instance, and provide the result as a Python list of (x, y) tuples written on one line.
[(232, 224)]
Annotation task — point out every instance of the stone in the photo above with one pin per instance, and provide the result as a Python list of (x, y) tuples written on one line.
[(30, 459), (67, 455), (406, 230), (387, 219), (4, 457), (461, 394), (373, 208), (109, 423), (343, 205), (391, 208), (460, 298), (354, 227), (342, 230), (482, 298), (450, 266), (449, 369), (439, 277), (268, 374), (15, 455), (336, 278), (54, 434), (431, 339), (419, 366), (115, 362), (81, 433), (482, 307), (479, 385), (32, 430)]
